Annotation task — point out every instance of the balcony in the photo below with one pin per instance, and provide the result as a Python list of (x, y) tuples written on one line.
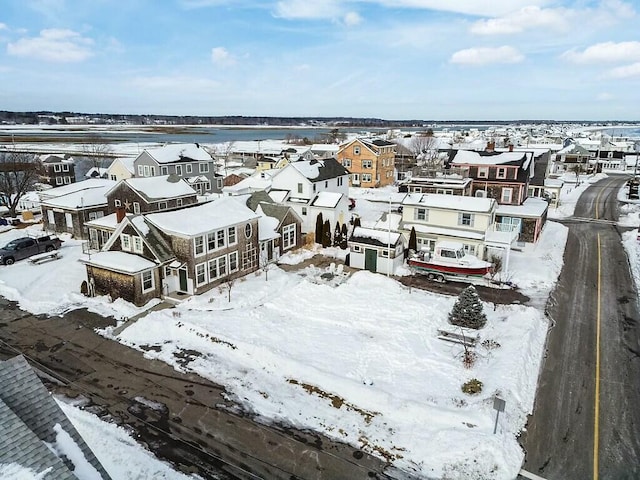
[(502, 234)]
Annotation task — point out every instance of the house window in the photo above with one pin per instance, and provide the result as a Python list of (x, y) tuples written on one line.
[(233, 262), (162, 205), (220, 238), (502, 173), (136, 208), (137, 244), (153, 171), (465, 219), (204, 167), (95, 215), (167, 271), (217, 268), (367, 164), (247, 230), (201, 275), (140, 171), (483, 172), (67, 180), (346, 162), (113, 177), (147, 280), (51, 217), (179, 170), (299, 188), (179, 202), (146, 171), (207, 186), (65, 168), (356, 150), (188, 168), (444, 191), (198, 245), (304, 211), (339, 181), (164, 170), (326, 184), (117, 203), (366, 178), (125, 242), (355, 179), (289, 236), (249, 257), (219, 183), (211, 241), (231, 235), (58, 180), (56, 168), (384, 253), (421, 214), (356, 248), (507, 195), (69, 220)]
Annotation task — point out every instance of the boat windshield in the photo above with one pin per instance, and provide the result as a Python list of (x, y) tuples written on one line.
[(460, 253)]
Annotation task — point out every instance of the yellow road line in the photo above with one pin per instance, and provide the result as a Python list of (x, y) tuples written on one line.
[(596, 423)]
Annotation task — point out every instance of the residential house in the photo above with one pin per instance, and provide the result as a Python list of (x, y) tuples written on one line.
[(437, 217), (527, 220), (281, 219), (370, 162), (181, 252), (446, 184), (36, 435), (151, 194), (313, 187), (233, 179), (97, 172), (405, 163), (503, 176), (58, 170), (121, 169), (572, 158), (376, 250), (189, 161), (67, 209)]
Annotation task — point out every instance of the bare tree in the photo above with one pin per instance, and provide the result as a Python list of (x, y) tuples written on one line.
[(96, 151), (227, 284), (265, 263), (19, 172), (223, 150), (425, 148)]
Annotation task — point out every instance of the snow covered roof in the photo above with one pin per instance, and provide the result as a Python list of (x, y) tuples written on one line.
[(471, 157), (192, 221), (531, 207), (450, 232), (91, 197), (74, 187), (119, 261), (126, 162), (326, 199), (176, 152), (96, 172), (166, 186), (375, 237), (257, 181), (267, 226), (109, 222), (450, 202), (318, 170)]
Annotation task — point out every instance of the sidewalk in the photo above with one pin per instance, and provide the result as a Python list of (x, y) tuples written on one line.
[(160, 306)]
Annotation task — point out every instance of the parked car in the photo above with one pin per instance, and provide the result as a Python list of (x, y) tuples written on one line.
[(25, 247)]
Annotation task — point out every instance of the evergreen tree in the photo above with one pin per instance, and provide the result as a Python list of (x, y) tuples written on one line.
[(336, 235), (319, 228), (467, 311), (326, 234), (413, 240), (344, 236)]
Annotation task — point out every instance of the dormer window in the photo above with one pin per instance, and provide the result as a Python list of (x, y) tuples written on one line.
[(502, 173), (483, 172), (356, 150)]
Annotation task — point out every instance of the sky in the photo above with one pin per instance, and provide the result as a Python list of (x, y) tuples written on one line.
[(391, 59)]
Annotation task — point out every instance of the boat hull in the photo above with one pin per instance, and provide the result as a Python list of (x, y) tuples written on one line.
[(429, 267)]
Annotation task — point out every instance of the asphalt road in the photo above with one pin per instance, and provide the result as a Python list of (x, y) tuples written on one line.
[(196, 428), (586, 421)]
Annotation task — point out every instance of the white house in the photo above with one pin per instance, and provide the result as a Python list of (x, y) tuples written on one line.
[(121, 169), (376, 250)]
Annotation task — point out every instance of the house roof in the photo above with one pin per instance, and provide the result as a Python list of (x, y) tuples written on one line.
[(153, 238), (126, 162), (531, 208), (128, 263), (75, 187), (378, 238), (91, 197), (319, 170), (56, 159), (326, 199), (379, 142), (267, 226), (179, 152), (31, 421), (450, 202), (159, 188), (192, 221), (256, 198), (472, 157)]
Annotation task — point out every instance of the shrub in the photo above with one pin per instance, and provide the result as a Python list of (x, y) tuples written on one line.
[(472, 387)]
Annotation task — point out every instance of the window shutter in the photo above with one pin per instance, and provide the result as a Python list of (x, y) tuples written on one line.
[(460, 218), (473, 217)]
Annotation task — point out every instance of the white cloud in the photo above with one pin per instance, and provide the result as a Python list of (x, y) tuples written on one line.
[(486, 55), (626, 71), (608, 52), (304, 9), (221, 56), (528, 17), (53, 45), (3, 26), (352, 19), (469, 7)]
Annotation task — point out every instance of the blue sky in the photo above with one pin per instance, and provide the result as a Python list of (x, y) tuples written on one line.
[(393, 59)]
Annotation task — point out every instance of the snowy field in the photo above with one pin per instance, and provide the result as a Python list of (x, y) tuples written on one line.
[(359, 362)]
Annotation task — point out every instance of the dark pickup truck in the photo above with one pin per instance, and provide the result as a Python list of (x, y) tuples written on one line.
[(26, 247)]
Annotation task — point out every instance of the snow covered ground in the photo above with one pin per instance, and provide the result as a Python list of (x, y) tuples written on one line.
[(360, 362)]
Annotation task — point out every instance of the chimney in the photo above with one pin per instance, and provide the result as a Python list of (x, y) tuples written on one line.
[(491, 145), (120, 213), (511, 147)]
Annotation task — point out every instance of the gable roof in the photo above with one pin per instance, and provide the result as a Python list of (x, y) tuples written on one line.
[(203, 218), (179, 152), (258, 197), (149, 234), (88, 198), (379, 238), (450, 202), (326, 199), (75, 187), (31, 419), (158, 188), (472, 157), (319, 170)]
